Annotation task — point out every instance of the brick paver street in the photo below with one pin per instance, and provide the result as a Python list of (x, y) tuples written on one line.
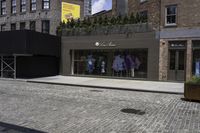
[(66, 109)]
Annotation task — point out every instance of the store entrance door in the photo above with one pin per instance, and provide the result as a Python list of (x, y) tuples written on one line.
[(177, 65)]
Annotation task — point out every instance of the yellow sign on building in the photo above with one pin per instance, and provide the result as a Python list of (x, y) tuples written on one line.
[(70, 11)]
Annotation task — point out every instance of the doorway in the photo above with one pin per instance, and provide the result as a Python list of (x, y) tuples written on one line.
[(177, 59)]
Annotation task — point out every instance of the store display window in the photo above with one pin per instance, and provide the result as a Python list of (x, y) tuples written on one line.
[(117, 63), (196, 58)]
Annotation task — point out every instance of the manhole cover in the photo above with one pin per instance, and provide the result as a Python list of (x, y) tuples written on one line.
[(96, 90), (133, 111)]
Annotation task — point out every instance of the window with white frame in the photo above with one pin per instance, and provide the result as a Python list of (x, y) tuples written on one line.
[(13, 6), (170, 15), (33, 5), (3, 7), (23, 6), (45, 4)]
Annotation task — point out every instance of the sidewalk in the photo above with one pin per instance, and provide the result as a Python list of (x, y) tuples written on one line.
[(135, 85)]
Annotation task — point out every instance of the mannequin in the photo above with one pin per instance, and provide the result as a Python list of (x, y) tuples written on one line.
[(133, 67), (118, 63), (90, 64), (129, 64), (103, 64)]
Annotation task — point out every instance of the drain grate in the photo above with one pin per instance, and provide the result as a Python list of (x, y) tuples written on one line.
[(133, 111), (96, 90)]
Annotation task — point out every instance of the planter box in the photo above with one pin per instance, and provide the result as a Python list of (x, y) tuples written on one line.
[(192, 91)]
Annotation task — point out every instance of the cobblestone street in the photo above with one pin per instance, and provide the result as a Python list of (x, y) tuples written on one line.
[(67, 109)]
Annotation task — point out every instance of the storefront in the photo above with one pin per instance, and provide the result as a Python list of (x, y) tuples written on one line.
[(179, 57), (121, 56), (120, 63), (177, 60), (183, 59)]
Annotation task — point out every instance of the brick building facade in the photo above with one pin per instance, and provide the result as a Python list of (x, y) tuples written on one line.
[(179, 39), (150, 8), (36, 15), (177, 23)]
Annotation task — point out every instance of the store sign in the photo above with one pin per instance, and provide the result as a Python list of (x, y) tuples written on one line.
[(70, 11), (177, 45), (105, 44)]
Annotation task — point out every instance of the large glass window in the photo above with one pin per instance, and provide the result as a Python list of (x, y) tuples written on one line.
[(33, 5), (196, 58), (118, 63), (23, 6), (3, 7), (181, 60), (45, 4), (170, 18), (196, 62), (13, 7), (172, 60)]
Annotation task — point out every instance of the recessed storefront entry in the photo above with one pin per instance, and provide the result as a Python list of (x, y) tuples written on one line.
[(111, 56), (177, 59)]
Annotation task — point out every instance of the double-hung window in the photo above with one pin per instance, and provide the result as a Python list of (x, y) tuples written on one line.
[(13, 7), (3, 7), (33, 5), (23, 6), (45, 4), (171, 15)]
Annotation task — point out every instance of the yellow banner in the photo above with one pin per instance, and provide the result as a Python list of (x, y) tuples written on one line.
[(70, 11)]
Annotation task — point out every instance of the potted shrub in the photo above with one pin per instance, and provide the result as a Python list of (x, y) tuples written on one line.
[(192, 89)]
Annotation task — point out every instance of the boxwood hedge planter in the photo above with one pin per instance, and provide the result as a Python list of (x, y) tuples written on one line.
[(192, 91)]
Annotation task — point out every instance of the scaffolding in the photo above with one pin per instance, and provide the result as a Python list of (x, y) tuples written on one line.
[(8, 66)]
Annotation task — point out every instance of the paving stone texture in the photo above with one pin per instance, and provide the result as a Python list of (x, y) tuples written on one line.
[(66, 109)]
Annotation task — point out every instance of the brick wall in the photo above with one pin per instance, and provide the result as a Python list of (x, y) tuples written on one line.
[(114, 7), (188, 12), (54, 15), (163, 60), (152, 6)]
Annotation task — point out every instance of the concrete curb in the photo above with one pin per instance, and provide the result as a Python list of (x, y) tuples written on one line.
[(105, 87), (11, 79)]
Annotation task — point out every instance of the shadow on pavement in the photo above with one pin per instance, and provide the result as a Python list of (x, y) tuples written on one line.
[(7, 128)]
